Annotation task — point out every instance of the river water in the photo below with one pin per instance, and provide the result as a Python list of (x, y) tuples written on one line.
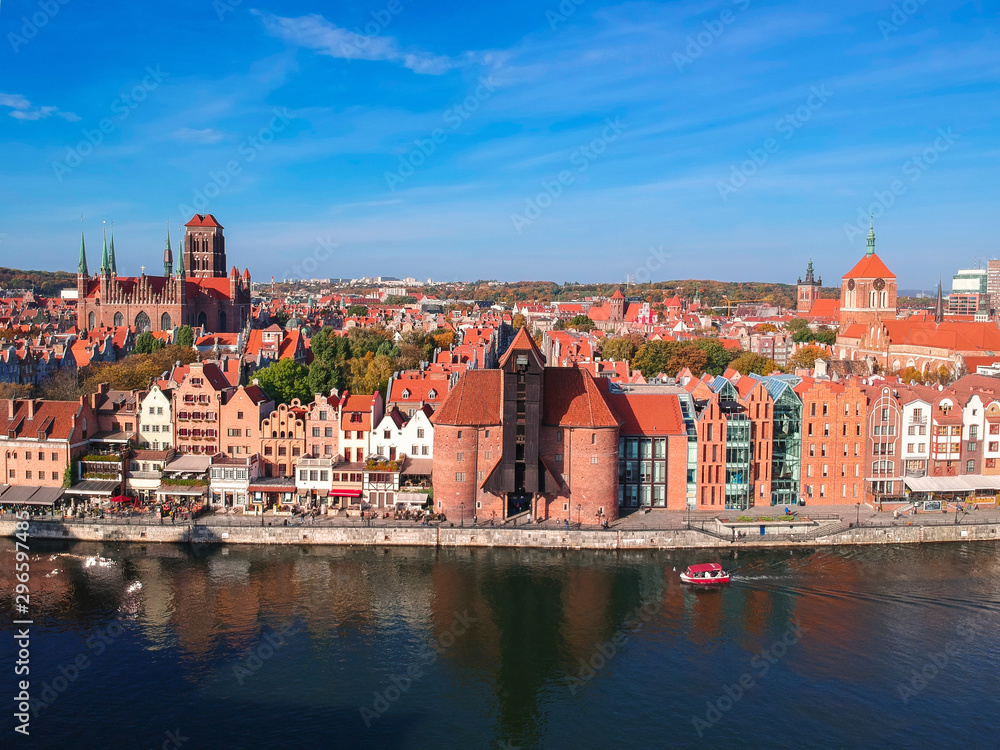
[(167, 646)]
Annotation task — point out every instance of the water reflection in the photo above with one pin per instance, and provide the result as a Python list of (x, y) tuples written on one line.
[(535, 665)]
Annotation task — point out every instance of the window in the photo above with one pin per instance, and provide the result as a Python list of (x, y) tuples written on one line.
[(413, 450), (559, 457), (971, 447), (328, 432), (459, 456), (12, 474), (487, 434), (27, 475), (315, 432), (54, 458), (27, 455), (322, 415), (459, 435), (268, 450), (974, 432), (424, 450), (593, 440), (459, 476), (54, 475), (386, 434), (970, 466), (593, 459), (420, 433)]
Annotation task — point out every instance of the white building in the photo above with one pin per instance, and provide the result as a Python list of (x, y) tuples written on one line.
[(313, 479), (397, 435), (916, 441), (155, 421), (229, 479)]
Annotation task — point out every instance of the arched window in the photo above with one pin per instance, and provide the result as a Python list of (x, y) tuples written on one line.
[(202, 319), (91, 320), (142, 322), (222, 320), (165, 322), (873, 298), (119, 319), (883, 299)]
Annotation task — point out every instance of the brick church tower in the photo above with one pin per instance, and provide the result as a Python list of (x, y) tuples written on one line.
[(867, 291), (204, 248), (809, 290)]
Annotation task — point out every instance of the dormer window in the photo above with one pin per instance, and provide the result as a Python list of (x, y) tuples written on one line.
[(406, 393), (432, 394)]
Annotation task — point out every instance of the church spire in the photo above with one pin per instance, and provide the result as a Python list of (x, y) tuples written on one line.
[(114, 265), (809, 272), (180, 263), (871, 237), (939, 306), (81, 267), (168, 256), (105, 263)]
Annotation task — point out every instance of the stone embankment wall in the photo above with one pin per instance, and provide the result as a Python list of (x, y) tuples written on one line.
[(420, 536)]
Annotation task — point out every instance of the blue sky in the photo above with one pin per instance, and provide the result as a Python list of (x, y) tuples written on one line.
[(521, 140)]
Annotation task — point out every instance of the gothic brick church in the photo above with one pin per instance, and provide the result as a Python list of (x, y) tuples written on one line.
[(198, 292)]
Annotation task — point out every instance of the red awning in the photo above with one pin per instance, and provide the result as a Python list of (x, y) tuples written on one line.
[(345, 493)]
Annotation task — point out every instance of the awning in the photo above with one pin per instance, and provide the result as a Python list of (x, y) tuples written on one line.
[(16, 495), (345, 493), (969, 483), (94, 488), (181, 490)]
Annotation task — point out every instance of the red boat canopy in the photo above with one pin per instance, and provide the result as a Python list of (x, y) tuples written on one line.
[(704, 567)]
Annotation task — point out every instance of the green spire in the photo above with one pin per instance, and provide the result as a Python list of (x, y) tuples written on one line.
[(114, 266), (81, 267), (180, 262), (871, 237), (105, 263)]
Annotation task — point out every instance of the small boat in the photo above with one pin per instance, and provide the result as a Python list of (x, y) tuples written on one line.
[(705, 574)]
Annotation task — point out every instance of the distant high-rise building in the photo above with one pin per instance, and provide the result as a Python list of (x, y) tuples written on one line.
[(993, 283)]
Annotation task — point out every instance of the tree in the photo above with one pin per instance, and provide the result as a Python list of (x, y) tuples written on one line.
[(396, 299), (652, 358), (806, 357), (796, 325), (687, 355), (13, 391), (748, 362), (443, 338), (371, 373), (284, 380), (147, 343), (619, 349), (766, 328), (581, 323), (718, 355), (323, 378), (281, 318), (60, 386), (185, 337), (357, 311), (364, 340), (519, 321)]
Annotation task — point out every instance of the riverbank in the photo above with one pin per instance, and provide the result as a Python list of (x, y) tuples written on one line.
[(713, 533)]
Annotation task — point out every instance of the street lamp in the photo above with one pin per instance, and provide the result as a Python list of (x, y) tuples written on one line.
[(463, 513), (579, 515)]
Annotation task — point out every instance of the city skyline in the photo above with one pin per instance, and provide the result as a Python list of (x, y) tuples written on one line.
[(507, 143)]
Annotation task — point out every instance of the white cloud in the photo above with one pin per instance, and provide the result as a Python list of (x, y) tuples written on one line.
[(22, 109), (193, 135), (316, 33)]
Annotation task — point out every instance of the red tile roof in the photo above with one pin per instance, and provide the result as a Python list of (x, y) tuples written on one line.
[(572, 399), (475, 400), (870, 267), (203, 220), (523, 343), (648, 413)]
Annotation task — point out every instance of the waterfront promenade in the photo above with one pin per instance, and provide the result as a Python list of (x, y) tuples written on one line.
[(657, 529)]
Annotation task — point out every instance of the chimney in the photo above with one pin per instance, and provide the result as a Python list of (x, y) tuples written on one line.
[(31, 408), (11, 408)]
